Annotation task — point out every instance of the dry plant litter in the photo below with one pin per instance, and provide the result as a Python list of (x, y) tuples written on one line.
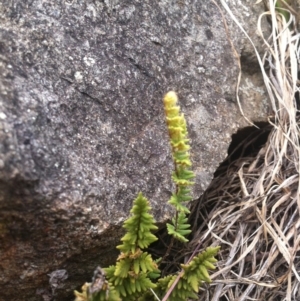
[(252, 208)]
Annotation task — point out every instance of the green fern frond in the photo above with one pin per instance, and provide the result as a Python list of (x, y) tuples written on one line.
[(105, 293), (181, 228), (181, 292), (132, 274), (194, 273), (199, 265), (123, 267), (138, 227), (173, 232), (176, 203), (132, 286), (144, 263), (184, 194)]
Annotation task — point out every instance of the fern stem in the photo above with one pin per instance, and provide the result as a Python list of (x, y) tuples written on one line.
[(170, 246)]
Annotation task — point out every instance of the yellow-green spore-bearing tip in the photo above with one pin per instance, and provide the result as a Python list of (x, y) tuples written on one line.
[(170, 99)]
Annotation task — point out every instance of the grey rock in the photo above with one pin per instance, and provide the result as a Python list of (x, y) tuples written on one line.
[(82, 127), (252, 94), (57, 278)]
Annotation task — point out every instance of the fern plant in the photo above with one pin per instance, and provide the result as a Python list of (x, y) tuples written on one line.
[(136, 276), (135, 269)]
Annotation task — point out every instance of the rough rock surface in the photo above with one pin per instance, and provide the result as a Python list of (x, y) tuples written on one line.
[(82, 124)]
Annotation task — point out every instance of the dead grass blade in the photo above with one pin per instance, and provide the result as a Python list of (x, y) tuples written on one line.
[(252, 208)]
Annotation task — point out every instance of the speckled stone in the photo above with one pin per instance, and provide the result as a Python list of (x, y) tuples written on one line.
[(82, 125)]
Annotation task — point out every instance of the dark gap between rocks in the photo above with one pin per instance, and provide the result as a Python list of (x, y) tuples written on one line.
[(246, 142)]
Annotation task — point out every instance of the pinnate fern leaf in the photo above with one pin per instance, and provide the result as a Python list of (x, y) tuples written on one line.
[(138, 227), (132, 274), (193, 274), (200, 264), (181, 229), (178, 205)]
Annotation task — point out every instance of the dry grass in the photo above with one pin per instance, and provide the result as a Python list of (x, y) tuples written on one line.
[(252, 209)]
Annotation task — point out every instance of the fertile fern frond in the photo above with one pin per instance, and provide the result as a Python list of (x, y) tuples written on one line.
[(179, 181), (176, 125), (182, 157), (182, 174)]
